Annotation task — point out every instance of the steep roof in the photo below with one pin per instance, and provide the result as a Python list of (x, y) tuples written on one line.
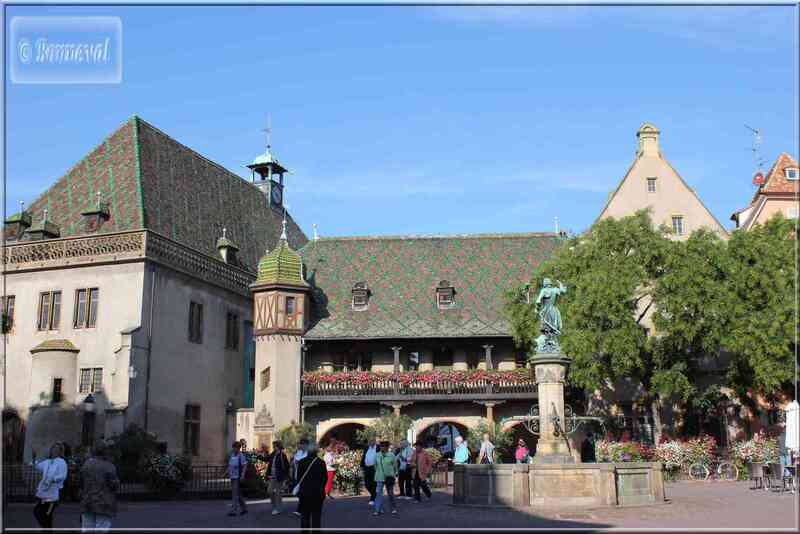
[(775, 185), (402, 274), (151, 181)]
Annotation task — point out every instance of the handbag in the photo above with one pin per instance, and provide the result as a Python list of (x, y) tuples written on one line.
[(296, 489)]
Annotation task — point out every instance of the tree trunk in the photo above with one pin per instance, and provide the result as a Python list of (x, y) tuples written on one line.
[(655, 407)]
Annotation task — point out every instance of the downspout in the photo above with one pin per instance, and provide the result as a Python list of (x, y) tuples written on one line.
[(149, 344), (300, 379)]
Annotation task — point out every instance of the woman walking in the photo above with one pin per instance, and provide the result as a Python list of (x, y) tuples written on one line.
[(237, 466), (330, 468), (311, 495), (522, 453), (277, 473), (54, 473), (385, 476), (99, 485)]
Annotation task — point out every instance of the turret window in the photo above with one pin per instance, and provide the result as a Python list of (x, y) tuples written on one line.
[(291, 306), (360, 296), (445, 295)]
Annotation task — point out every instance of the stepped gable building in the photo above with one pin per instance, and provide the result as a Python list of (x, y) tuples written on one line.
[(127, 294), (651, 182), (779, 193), (390, 305)]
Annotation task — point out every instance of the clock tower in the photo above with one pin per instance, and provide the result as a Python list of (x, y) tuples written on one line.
[(267, 173), (281, 309)]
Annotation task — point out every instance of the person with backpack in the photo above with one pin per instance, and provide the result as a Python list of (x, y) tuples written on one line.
[(311, 488), (54, 473), (237, 465), (99, 487)]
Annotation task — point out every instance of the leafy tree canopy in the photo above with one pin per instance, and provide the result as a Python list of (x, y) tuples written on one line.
[(388, 426)]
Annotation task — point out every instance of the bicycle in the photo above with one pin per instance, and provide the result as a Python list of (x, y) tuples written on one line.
[(722, 470)]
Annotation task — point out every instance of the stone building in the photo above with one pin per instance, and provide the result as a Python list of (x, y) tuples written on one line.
[(778, 192), (651, 182), (127, 282)]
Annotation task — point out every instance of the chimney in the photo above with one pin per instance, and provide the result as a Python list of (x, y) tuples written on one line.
[(648, 140)]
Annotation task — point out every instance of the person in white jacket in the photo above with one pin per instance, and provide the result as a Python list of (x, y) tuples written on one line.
[(54, 473)]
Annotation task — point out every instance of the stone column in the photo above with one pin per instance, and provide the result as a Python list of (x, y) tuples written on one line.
[(490, 408), (488, 356), (396, 351), (551, 371)]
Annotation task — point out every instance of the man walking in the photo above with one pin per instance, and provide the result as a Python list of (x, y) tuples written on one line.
[(368, 467), (421, 466), (237, 465), (54, 472), (302, 451), (404, 453), (100, 484), (461, 455), (277, 473)]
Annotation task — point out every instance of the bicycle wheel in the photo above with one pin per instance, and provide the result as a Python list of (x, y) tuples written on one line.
[(727, 471), (698, 471)]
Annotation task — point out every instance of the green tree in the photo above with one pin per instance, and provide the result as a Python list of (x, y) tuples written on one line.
[(763, 314), (291, 435), (502, 440), (388, 426)]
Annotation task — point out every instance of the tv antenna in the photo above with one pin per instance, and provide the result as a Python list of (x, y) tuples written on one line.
[(268, 132), (756, 148)]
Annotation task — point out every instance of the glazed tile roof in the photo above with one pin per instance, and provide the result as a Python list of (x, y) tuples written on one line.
[(151, 181), (282, 265), (402, 274), (63, 345)]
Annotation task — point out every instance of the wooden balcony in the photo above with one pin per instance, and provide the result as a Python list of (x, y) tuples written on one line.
[(395, 389)]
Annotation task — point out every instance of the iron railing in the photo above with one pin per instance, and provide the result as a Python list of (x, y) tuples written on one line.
[(392, 388)]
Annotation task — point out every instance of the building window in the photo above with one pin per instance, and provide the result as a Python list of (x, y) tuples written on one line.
[(360, 296), (445, 295), (8, 313), (191, 429), (57, 395), (91, 380), (86, 307), (195, 322), (791, 173), (265, 378), (49, 310), (290, 306), (677, 224), (651, 185), (232, 331), (413, 361)]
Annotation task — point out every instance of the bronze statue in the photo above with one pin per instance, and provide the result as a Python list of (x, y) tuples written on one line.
[(549, 316)]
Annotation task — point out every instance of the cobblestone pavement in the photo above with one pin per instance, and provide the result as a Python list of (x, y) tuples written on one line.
[(690, 505)]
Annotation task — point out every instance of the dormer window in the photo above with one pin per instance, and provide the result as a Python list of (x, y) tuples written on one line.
[(791, 173), (360, 296), (445, 295)]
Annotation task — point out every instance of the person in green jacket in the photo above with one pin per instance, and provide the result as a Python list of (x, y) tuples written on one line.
[(461, 455), (385, 475)]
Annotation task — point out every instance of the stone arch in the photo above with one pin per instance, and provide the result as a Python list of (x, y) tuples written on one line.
[(325, 428), (462, 423)]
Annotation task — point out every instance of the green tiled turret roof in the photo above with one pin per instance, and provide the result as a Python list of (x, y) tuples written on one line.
[(281, 266), (403, 272), (63, 345), (23, 216)]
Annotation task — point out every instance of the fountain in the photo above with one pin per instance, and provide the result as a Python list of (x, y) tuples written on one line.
[(555, 479)]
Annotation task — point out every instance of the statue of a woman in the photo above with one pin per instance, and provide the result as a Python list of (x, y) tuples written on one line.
[(549, 316)]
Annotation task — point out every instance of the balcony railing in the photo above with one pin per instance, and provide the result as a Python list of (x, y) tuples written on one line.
[(360, 386)]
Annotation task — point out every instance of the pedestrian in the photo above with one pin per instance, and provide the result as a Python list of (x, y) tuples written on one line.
[(461, 455), (301, 453), (368, 467), (311, 495), (385, 476), (99, 487), (277, 473), (421, 467), (587, 449), (486, 454), (54, 473), (330, 468), (237, 466), (404, 453), (521, 454)]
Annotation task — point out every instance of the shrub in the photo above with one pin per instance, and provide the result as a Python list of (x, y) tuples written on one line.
[(502, 441), (388, 426), (130, 449), (763, 448), (291, 435), (348, 471), (622, 451), (435, 454), (166, 472)]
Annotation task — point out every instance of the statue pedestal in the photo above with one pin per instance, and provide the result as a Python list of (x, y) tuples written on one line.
[(553, 446)]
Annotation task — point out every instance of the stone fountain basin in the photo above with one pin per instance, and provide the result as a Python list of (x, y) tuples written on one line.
[(582, 485)]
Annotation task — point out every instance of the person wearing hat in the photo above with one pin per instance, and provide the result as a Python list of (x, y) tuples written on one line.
[(99, 487)]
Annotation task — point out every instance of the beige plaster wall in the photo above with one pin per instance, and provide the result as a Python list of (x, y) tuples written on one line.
[(776, 205)]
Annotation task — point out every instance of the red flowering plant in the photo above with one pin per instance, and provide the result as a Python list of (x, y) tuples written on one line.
[(407, 378)]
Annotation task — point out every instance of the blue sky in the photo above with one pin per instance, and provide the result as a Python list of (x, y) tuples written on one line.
[(423, 120)]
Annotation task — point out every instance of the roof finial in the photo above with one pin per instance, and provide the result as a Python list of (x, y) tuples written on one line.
[(22, 206), (44, 215), (268, 131), (555, 220), (283, 232), (316, 237), (224, 230), (98, 194)]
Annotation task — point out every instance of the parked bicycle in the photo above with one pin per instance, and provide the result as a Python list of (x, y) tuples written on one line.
[(720, 468)]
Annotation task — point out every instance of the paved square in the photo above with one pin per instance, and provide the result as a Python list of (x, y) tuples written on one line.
[(724, 505)]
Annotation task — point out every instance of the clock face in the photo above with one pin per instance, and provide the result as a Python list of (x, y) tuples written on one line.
[(276, 193)]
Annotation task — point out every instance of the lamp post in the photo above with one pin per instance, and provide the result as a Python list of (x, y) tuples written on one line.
[(87, 434)]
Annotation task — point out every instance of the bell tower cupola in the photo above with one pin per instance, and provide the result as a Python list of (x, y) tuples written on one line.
[(267, 173)]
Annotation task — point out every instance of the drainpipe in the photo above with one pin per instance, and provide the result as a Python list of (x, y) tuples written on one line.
[(303, 349), (149, 344)]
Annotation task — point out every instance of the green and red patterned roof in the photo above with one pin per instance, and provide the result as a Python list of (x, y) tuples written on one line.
[(149, 180), (402, 274)]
